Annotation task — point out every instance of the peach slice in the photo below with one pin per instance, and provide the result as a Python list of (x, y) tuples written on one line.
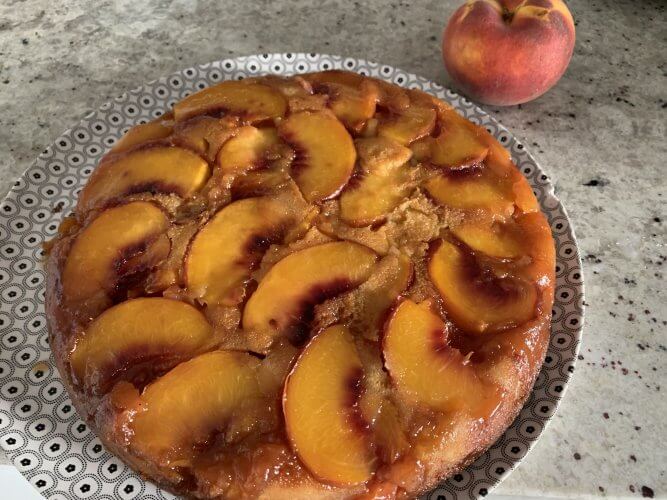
[(476, 298), (322, 418), (460, 142), (251, 101), (391, 277), (259, 183), (525, 238), (205, 135), (226, 250), (500, 240), (138, 332), (284, 299), (408, 125), (115, 245), (190, 403), (347, 78), (157, 129), (353, 106), (248, 150), (473, 189), (325, 153), (352, 97), (425, 368), (159, 169), (382, 185)]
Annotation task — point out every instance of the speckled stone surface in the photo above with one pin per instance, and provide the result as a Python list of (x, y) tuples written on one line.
[(600, 134)]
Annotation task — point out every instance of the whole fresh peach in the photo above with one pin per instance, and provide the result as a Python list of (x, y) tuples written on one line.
[(507, 52)]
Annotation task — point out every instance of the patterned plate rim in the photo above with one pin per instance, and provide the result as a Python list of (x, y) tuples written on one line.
[(39, 429)]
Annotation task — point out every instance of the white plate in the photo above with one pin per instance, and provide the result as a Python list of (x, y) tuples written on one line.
[(39, 428)]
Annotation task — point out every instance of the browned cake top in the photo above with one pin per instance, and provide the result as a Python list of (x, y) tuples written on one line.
[(322, 285)]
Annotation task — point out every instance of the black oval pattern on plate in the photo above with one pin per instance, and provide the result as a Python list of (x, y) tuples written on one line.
[(64, 168)]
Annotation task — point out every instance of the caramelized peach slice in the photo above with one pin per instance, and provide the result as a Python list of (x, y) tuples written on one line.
[(347, 78), (159, 169), (259, 183), (251, 101), (352, 98), (389, 95), (538, 241), (226, 250), (320, 403), (391, 277), (159, 128), (478, 300), (523, 235), (284, 299), (501, 240), (115, 245), (190, 403), (353, 106), (474, 188), (205, 135), (460, 142), (525, 238), (410, 124), (135, 333), (248, 150), (424, 368), (325, 153), (382, 185)]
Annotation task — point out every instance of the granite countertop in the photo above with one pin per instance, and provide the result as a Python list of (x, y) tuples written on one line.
[(600, 134)]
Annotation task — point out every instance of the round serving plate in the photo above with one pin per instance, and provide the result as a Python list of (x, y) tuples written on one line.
[(39, 428)]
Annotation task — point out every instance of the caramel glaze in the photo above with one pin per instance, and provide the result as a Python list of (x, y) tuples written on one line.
[(264, 464)]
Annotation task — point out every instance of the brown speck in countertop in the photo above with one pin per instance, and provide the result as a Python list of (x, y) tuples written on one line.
[(577, 456), (647, 492), (606, 415), (600, 489), (637, 428), (633, 458), (632, 488)]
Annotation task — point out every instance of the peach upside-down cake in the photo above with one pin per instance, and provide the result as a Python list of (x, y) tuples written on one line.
[(323, 286)]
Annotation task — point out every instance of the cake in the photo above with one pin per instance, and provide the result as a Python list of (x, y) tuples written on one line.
[(322, 286)]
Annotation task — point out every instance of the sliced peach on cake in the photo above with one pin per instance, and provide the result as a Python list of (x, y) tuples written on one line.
[(409, 124), (336, 76), (159, 169), (472, 189), (226, 250), (284, 300), (205, 135), (382, 184), (477, 299), (122, 241), (460, 142), (322, 418), (538, 243), (325, 153), (259, 183), (157, 129), (391, 277), (139, 333), (500, 240), (352, 97), (425, 368), (191, 403), (524, 235), (249, 150), (251, 101)]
